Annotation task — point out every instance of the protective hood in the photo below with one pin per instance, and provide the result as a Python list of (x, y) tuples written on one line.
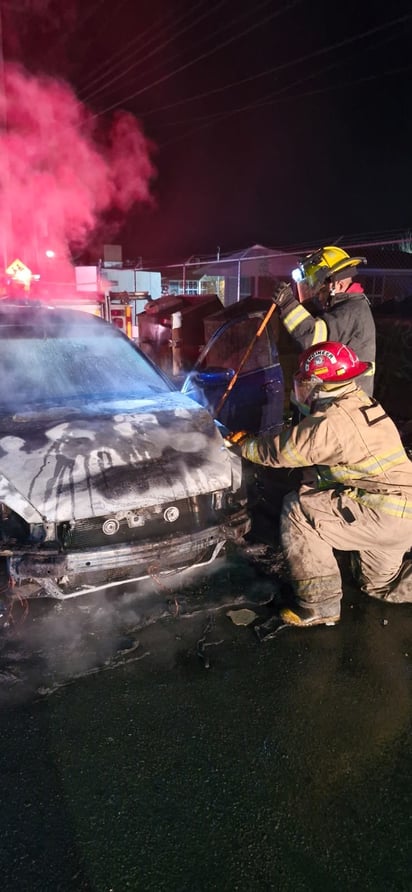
[(70, 464)]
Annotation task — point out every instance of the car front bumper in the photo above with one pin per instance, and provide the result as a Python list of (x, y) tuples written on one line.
[(42, 574)]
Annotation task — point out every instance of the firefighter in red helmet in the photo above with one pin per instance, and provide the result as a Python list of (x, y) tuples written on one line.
[(356, 491), (344, 313)]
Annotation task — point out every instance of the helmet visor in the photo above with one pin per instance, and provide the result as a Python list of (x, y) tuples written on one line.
[(305, 292), (304, 389)]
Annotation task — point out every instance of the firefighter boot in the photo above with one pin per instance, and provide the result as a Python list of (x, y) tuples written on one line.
[(321, 614)]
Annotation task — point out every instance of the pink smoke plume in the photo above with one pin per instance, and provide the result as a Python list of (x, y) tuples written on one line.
[(61, 171)]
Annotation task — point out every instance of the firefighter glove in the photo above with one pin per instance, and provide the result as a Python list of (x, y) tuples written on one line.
[(235, 439), (283, 295)]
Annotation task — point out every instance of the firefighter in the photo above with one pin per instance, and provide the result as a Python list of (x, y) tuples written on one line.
[(344, 310), (356, 492)]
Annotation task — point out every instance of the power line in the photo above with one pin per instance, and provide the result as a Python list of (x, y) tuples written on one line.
[(174, 37), (351, 240), (139, 44), (271, 100), (283, 66), (315, 74), (202, 56), (119, 6)]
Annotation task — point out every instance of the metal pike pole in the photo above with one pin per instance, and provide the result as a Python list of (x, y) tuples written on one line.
[(244, 359)]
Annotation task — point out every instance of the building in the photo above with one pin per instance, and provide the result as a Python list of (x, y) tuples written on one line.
[(247, 273)]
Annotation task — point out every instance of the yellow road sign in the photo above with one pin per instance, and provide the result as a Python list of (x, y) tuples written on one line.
[(20, 272)]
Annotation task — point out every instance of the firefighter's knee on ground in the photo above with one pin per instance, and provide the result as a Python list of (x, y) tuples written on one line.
[(399, 591)]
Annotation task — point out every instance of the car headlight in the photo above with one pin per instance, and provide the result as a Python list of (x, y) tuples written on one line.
[(14, 530)]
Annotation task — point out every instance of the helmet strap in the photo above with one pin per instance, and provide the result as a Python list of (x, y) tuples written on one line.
[(304, 409)]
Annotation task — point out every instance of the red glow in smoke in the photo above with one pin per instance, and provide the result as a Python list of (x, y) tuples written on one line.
[(59, 171)]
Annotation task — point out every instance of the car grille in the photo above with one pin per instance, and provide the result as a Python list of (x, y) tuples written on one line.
[(194, 514)]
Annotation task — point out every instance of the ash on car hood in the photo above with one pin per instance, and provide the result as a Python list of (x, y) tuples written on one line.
[(69, 464)]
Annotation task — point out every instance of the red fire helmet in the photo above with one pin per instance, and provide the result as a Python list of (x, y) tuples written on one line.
[(331, 362)]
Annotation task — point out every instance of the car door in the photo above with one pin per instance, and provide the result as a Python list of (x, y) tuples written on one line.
[(256, 402)]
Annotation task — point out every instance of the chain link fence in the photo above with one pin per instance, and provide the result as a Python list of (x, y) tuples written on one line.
[(387, 275)]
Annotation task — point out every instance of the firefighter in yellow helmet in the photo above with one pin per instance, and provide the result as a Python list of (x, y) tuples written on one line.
[(344, 313), (356, 492)]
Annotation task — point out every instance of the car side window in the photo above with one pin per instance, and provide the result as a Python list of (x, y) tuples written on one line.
[(229, 348)]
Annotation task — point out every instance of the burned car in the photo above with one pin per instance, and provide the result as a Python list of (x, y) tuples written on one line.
[(108, 474)]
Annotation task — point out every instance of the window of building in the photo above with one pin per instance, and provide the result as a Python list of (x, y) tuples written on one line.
[(176, 286)]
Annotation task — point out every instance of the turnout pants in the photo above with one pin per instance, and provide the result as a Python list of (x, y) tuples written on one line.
[(313, 523)]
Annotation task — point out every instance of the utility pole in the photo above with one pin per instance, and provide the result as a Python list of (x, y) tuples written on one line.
[(7, 219), (218, 277), (187, 262)]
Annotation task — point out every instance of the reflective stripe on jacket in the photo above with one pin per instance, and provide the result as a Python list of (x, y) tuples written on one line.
[(351, 444), (349, 320)]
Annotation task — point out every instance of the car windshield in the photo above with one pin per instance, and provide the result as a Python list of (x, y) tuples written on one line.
[(83, 367)]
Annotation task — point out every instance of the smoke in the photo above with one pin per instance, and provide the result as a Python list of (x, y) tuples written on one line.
[(160, 622), (63, 173)]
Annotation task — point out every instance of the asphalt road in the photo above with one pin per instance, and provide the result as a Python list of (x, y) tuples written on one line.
[(187, 756)]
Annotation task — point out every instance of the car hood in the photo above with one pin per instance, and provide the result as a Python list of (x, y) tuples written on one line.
[(68, 464)]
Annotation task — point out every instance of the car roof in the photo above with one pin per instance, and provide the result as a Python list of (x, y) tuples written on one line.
[(29, 313)]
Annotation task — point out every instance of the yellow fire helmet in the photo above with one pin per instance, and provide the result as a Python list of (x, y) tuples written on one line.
[(325, 263)]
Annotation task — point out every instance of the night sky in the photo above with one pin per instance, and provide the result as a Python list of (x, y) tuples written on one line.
[(280, 123)]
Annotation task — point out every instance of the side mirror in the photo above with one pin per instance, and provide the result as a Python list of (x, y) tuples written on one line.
[(211, 377)]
